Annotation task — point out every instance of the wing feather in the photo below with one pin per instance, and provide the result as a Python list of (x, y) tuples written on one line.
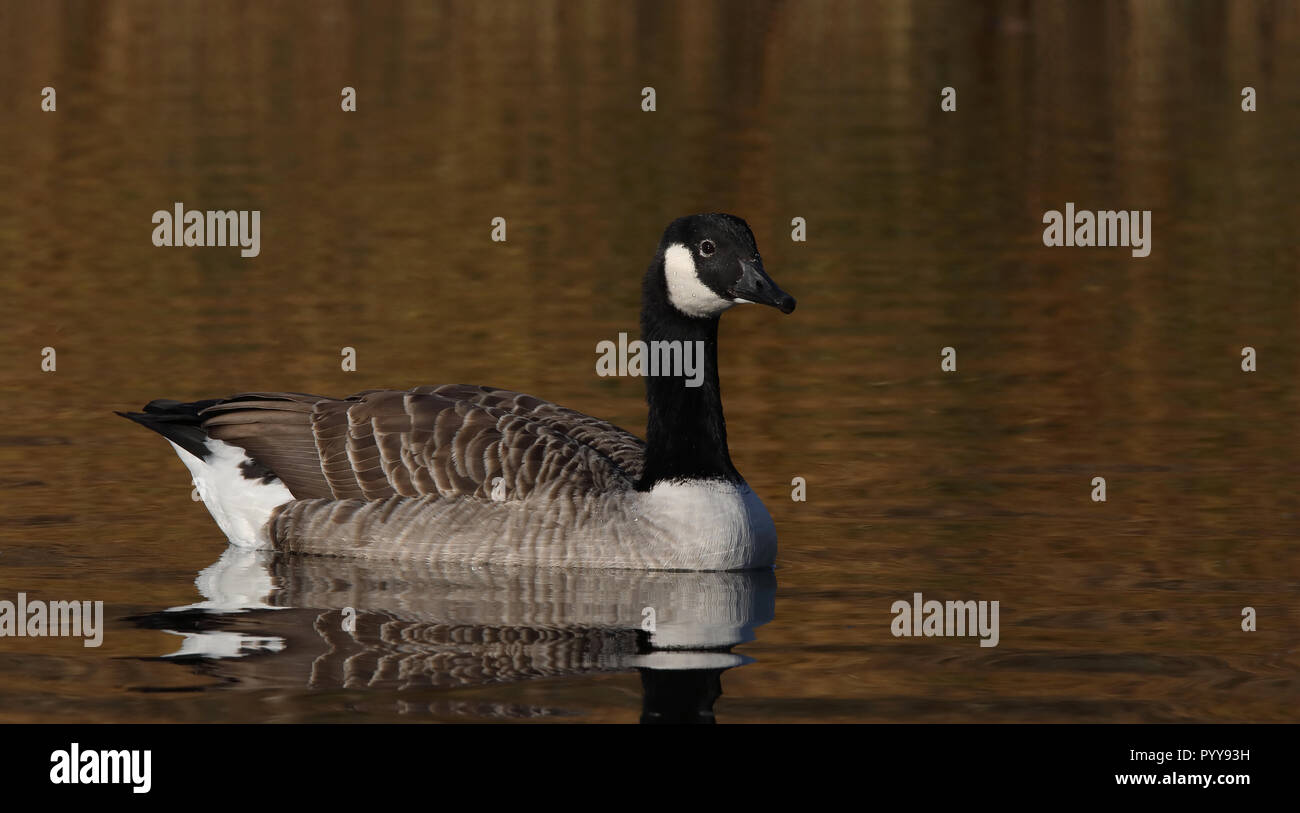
[(447, 441)]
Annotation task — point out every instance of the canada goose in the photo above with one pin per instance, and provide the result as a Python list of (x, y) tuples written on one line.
[(479, 475)]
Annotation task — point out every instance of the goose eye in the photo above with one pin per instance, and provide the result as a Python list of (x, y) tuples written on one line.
[(706, 248)]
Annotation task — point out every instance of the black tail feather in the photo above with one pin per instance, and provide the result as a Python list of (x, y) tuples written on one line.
[(178, 422)]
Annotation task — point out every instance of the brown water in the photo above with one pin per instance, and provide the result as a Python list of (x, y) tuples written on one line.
[(924, 231)]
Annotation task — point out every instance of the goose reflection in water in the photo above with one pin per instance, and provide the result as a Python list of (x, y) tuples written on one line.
[(274, 620)]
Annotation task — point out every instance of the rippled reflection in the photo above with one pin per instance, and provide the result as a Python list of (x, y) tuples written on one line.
[(270, 619)]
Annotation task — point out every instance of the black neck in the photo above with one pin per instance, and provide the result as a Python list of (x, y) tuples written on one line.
[(686, 435)]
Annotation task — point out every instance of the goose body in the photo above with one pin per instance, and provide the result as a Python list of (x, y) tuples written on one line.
[(480, 475)]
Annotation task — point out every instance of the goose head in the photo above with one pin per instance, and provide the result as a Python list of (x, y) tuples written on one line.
[(709, 263)]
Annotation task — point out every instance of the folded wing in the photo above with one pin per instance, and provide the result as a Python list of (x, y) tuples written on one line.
[(449, 441)]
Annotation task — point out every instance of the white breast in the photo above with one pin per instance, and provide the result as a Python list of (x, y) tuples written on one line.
[(722, 525)]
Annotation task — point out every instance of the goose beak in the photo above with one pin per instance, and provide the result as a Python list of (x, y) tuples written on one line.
[(757, 287)]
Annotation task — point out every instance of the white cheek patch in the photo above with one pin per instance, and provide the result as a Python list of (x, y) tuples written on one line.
[(685, 290)]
